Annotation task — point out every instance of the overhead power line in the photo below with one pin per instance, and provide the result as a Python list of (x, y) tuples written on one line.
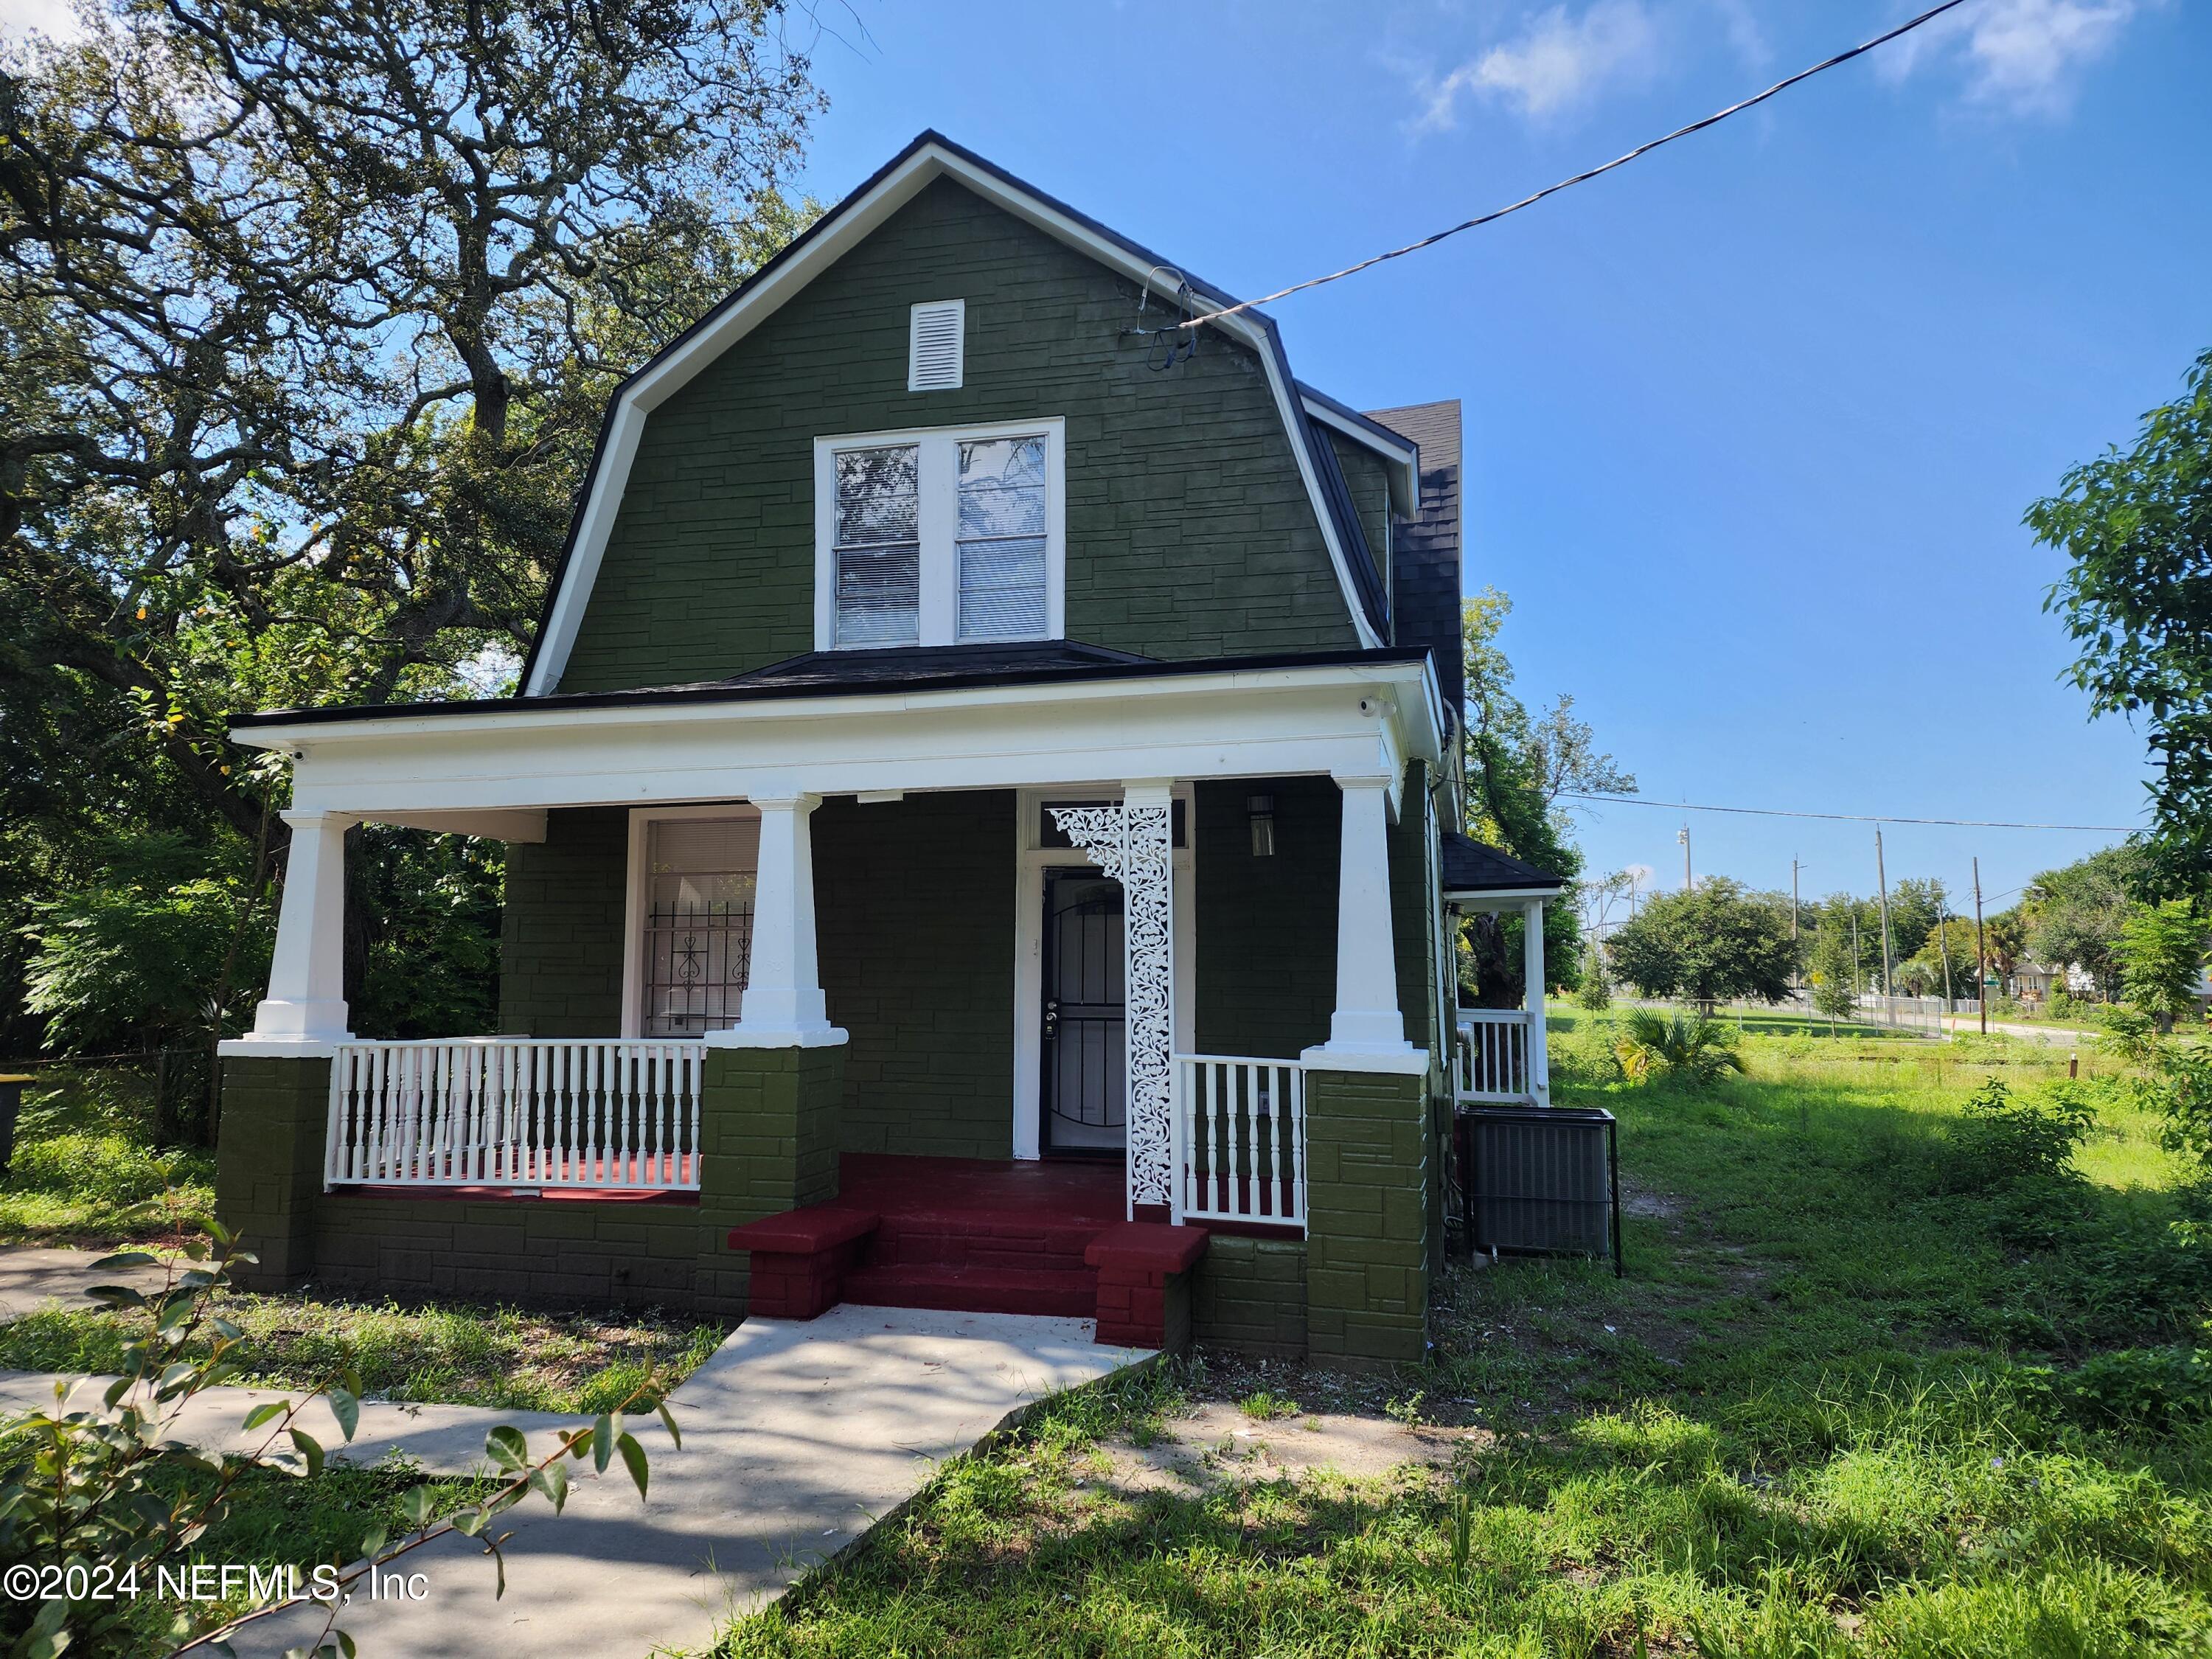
[(1842, 818), (1492, 216)]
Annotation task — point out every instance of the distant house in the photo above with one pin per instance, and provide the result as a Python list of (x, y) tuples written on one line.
[(980, 814), (2033, 981)]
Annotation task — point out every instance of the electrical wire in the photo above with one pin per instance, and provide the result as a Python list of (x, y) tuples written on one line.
[(1718, 116), (1844, 817)]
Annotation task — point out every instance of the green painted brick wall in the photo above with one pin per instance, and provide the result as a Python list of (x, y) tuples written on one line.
[(1266, 981), (558, 1252), (915, 915), (1369, 480), (269, 1164), (1251, 1296), (561, 938), (709, 570), (1367, 1247), (768, 1126)]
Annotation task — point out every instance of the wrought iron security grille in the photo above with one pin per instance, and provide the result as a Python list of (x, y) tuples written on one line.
[(695, 956)]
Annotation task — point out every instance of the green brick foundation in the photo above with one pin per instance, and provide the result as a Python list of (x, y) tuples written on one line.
[(1368, 1209)]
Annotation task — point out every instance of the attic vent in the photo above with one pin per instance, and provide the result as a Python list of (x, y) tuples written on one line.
[(933, 345)]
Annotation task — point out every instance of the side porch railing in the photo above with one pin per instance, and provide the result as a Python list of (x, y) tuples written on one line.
[(536, 1112), (1489, 1061), (1239, 1141)]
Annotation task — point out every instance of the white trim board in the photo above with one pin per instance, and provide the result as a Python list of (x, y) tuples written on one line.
[(846, 227)]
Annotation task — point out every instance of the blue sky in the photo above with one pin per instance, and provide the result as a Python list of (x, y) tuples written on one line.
[(1751, 424)]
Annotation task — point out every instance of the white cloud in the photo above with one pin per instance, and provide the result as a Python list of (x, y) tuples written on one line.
[(2022, 56), (52, 17), (1558, 62)]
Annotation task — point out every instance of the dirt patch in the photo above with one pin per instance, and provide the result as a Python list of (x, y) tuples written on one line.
[(1642, 1201), (1218, 1444)]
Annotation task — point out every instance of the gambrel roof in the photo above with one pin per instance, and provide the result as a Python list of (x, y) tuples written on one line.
[(931, 156)]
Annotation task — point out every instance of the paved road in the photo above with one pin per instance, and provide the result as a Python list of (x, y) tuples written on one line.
[(1968, 1026)]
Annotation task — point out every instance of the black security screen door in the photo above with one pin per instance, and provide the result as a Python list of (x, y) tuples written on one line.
[(1085, 1093)]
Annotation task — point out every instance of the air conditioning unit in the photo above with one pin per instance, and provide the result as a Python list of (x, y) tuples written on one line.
[(1540, 1180)]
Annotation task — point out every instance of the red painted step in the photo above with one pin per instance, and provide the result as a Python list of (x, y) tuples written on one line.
[(1008, 1244), (1073, 1294)]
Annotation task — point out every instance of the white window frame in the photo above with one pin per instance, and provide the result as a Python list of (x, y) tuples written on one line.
[(636, 895), (938, 620)]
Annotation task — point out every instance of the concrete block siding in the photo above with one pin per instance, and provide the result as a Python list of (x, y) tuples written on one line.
[(709, 570)]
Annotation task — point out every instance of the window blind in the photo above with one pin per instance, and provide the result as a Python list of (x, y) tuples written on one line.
[(1001, 539), (877, 546)]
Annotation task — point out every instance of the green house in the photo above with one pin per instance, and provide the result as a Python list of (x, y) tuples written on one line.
[(979, 814)]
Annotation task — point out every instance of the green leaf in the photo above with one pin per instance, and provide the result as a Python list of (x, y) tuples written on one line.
[(263, 1412), (632, 1456), (507, 1447), (603, 1442), (124, 1259), (310, 1449), (115, 1296), (553, 1481), (668, 1421), (416, 1504), (372, 1542), (346, 1407)]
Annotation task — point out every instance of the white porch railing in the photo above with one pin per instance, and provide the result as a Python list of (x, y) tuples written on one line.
[(1489, 1061), (602, 1112), (1239, 1141)]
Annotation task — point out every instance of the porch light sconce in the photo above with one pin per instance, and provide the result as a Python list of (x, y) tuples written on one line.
[(1262, 809)]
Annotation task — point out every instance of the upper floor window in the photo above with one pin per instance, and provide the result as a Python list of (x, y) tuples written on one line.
[(953, 537)]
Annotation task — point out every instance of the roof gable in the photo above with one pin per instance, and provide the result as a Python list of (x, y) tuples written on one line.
[(929, 158)]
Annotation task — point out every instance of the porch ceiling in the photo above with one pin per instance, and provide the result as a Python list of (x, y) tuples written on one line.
[(1358, 718)]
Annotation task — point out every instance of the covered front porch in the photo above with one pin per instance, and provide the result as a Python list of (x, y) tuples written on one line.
[(1102, 948)]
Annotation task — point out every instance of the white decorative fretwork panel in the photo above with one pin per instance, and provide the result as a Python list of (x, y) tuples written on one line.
[(1135, 846)]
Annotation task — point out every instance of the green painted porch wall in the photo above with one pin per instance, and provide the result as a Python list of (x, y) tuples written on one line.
[(1190, 530), (914, 916), (1266, 927), (561, 940)]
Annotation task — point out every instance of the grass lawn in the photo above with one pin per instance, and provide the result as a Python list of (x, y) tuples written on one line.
[(84, 1173), (454, 1352), (1845, 1402)]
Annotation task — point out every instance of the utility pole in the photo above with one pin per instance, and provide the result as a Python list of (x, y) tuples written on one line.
[(1882, 880), (1683, 835), (1793, 901), (1858, 977), (1944, 945), (1981, 955)]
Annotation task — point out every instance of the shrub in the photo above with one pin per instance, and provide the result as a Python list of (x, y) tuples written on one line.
[(1674, 1046), (2007, 1141), (2149, 1388)]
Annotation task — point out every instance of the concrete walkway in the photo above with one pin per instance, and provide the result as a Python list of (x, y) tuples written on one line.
[(798, 1438), (32, 1276), (443, 1439)]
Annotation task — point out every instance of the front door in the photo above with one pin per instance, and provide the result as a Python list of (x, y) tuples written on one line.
[(1084, 1097)]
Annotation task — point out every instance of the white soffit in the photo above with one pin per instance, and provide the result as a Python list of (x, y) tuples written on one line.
[(835, 236)]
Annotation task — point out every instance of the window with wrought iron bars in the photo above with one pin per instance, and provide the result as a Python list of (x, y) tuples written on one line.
[(698, 924)]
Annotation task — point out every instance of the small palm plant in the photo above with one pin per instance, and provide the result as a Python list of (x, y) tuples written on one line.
[(1653, 1045)]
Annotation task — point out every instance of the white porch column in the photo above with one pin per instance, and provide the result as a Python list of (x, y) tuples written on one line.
[(1366, 1025), (783, 1006), (306, 1002), (1532, 999)]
